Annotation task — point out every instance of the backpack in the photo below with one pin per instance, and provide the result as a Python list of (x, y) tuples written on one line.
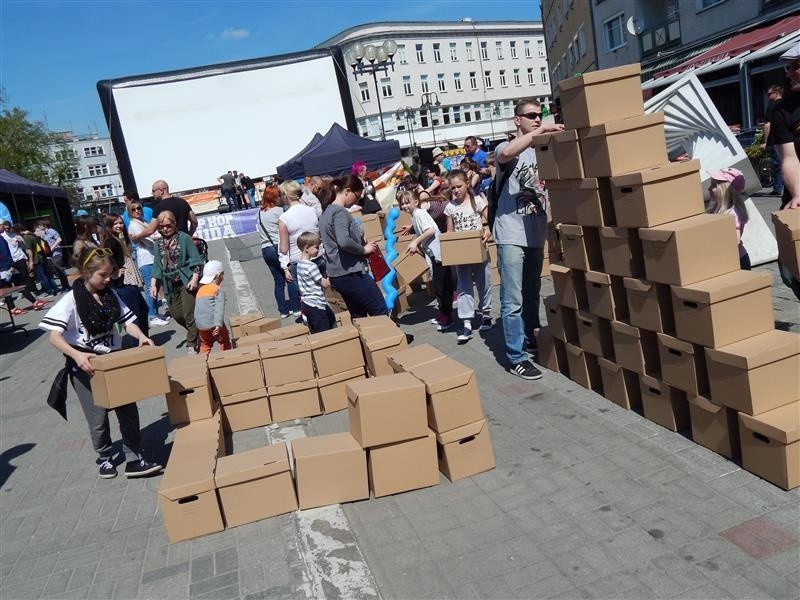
[(202, 247), (494, 191)]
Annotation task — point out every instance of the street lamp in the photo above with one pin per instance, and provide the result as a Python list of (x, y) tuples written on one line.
[(429, 100), (494, 110), (411, 119), (378, 59)]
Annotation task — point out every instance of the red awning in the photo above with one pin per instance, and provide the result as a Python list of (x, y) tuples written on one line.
[(738, 44)]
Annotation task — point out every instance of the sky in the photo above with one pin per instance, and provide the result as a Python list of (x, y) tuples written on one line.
[(52, 54)]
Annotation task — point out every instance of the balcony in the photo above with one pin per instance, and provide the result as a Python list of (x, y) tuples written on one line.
[(664, 35)]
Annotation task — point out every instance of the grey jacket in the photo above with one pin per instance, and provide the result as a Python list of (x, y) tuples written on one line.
[(341, 238)]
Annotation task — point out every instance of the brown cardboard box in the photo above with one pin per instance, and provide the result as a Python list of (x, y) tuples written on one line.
[(294, 400), (771, 445), (583, 368), (551, 352), (373, 230), (649, 305), (618, 147), (343, 318), (262, 325), (620, 386), (594, 334), (364, 323), (544, 273), (238, 320), (723, 310), (333, 389), (254, 340), (403, 220), (671, 251), (403, 466), (207, 430), (329, 469), (562, 320), (463, 248), (569, 286), (683, 365), (403, 241), (286, 361), (663, 404), (336, 351), (758, 374), (378, 343), (404, 359), (787, 233), (622, 251), (387, 409), (600, 96), (451, 393), (658, 195), (584, 202), (254, 485), (189, 397), (235, 371), (546, 161), (288, 332), (491, 248), (581, 247), (558, 156), (635, 349), (495, 276), (127, 376), (606, 295), (553, 247), (465, 451), (245, 410), (410, 267), (714, 427)]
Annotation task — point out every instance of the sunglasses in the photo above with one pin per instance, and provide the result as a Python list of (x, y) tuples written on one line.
[(101, 252), (531, 115), (163, 225), (136, 209)]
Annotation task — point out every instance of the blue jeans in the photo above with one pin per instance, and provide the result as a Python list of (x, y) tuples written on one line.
[(360, 294), (520, 283), (252, 195), (43, 277), (270, 254), (777, 178), (152, 309)]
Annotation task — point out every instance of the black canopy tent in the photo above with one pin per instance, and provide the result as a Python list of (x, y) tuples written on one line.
[(336, 152), (27, 200)]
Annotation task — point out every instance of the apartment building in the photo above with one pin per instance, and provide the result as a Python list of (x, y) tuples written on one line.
[(96, 174)]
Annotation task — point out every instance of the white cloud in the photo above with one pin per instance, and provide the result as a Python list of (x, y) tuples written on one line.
[(235, 34)]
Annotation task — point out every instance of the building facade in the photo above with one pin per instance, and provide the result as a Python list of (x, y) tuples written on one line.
[(95, 173), (569, 38), (476, 70)]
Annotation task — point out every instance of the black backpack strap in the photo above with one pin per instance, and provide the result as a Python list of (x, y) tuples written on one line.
[(494, 197)]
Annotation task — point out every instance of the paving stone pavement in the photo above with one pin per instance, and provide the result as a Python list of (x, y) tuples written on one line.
[(587, 501)]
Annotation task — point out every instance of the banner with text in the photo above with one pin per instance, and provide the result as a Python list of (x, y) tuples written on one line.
[(228, 225)]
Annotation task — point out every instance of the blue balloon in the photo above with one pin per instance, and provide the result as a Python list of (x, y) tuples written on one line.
[(387, 283)]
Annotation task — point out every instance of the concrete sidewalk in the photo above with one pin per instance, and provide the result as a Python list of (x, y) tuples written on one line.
[(587, 501)]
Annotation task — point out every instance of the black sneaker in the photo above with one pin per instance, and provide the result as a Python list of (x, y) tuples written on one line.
[(464, 335), (140, 468), (526, 370), (107, 468)]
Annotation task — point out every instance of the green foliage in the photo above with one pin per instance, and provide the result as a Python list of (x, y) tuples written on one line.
[(754, 151)]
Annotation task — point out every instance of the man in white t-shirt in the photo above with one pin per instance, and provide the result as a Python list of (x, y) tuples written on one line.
[(520, 231)]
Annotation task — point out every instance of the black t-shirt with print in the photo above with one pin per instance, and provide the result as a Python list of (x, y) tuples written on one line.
[(785, 129), (177, 206)]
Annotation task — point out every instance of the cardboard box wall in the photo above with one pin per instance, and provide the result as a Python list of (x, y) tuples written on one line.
[(569, 286), (635, 349), (128, 376), (771, 445), (663, 404), (254, 340), (594, 334), (286, 361), (620, 386), (403, 466), (558, 155), (585, 202), (583, 368), (262, 325), (189, 397), (649, 305), (378, 343), (403, 360), (238, 320), (600, 96), (714, 427), (617, 147), (288, 332), (465, 451), (581, 248), (245, 410), (683, 365), (333, 389), (294, 400), (606, 296), (787, 234), (235, 371), (551, 352), (463, 248), (622, 252), (562, 321)]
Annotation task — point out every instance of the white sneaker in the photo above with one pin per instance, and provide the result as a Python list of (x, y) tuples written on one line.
[(158, 322)]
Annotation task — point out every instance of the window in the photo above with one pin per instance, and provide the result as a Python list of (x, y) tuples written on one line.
[(477, 108), (93, 151), (615, 32), (527, 48), (386, 87), (485, 50), (66, 154), (473, 80), (440, 81), (582, 40), (704, 4), (74, 174), (420, 56), (516, 78), (469, 51), (543, 74), (498, 46), (446, 115), (513, 46), (530, 76), (467, 116), (539, 47), (437, 53), (487, 79), (407, 85), (401, 54), (503, 78), (103, 191), (453, 52), (95, 170), (423, 83), (457, 81), (363, 88), (423, 118), (456, 114), (571, 54)]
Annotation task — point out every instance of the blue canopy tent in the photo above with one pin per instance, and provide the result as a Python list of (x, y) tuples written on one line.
[(293, 168), (28, 199)]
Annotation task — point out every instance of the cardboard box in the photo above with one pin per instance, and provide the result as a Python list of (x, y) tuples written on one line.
[(606, 295), (336, 351), (491, 248), (465, 451), (544, 273), (386, 409), (562, 321), (403, 466), (254, 485), (410, 267), (463, 248), (583, 368), (235, 371), (618, 147), (294, 400), (663, 404), (723, 310), (714, 427), (364, 323), (594, 334), (553, 247), (620, 386), (288, 332), (569, 286), (333, 389), (649, 305), (546, 161), (371, 224), (451, 393), (254, 340), (584, 202), (635, 349), (758, 374), (343, 318), (246, 410), (329, 469), (238, 320), (127, 376), (404, 359), (261, 325), (787, 233), (672, 251), (558, 156), (771, 445), (622, 252), (189, 397), (286, 361), (551, 352), (402, 242), (378, 343), (581, 247), (600, 96), (495, 276), (658, 195), (683, 365)]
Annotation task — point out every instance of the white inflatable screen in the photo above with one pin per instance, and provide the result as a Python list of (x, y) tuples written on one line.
[(189, 132)]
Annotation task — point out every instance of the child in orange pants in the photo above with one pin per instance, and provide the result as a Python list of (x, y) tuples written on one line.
[(209, 309)]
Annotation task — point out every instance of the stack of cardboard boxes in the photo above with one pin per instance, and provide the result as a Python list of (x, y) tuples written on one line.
[(650, 307)]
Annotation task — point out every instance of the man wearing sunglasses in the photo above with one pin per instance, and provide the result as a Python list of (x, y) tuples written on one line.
[(520, 230), (186, 219)]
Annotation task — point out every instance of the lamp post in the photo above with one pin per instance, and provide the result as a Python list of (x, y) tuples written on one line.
[(411, 119), (494, 110), (379, 58), (429, 100)]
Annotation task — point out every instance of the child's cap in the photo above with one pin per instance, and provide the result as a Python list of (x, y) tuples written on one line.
[(733, 176), (211, 270)]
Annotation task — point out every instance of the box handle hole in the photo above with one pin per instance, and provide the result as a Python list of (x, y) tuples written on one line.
[(188, 499), (627, 190), (466, 440), (690, 304), (761, 437), (185, 392), (655, 391), (675, 352)]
